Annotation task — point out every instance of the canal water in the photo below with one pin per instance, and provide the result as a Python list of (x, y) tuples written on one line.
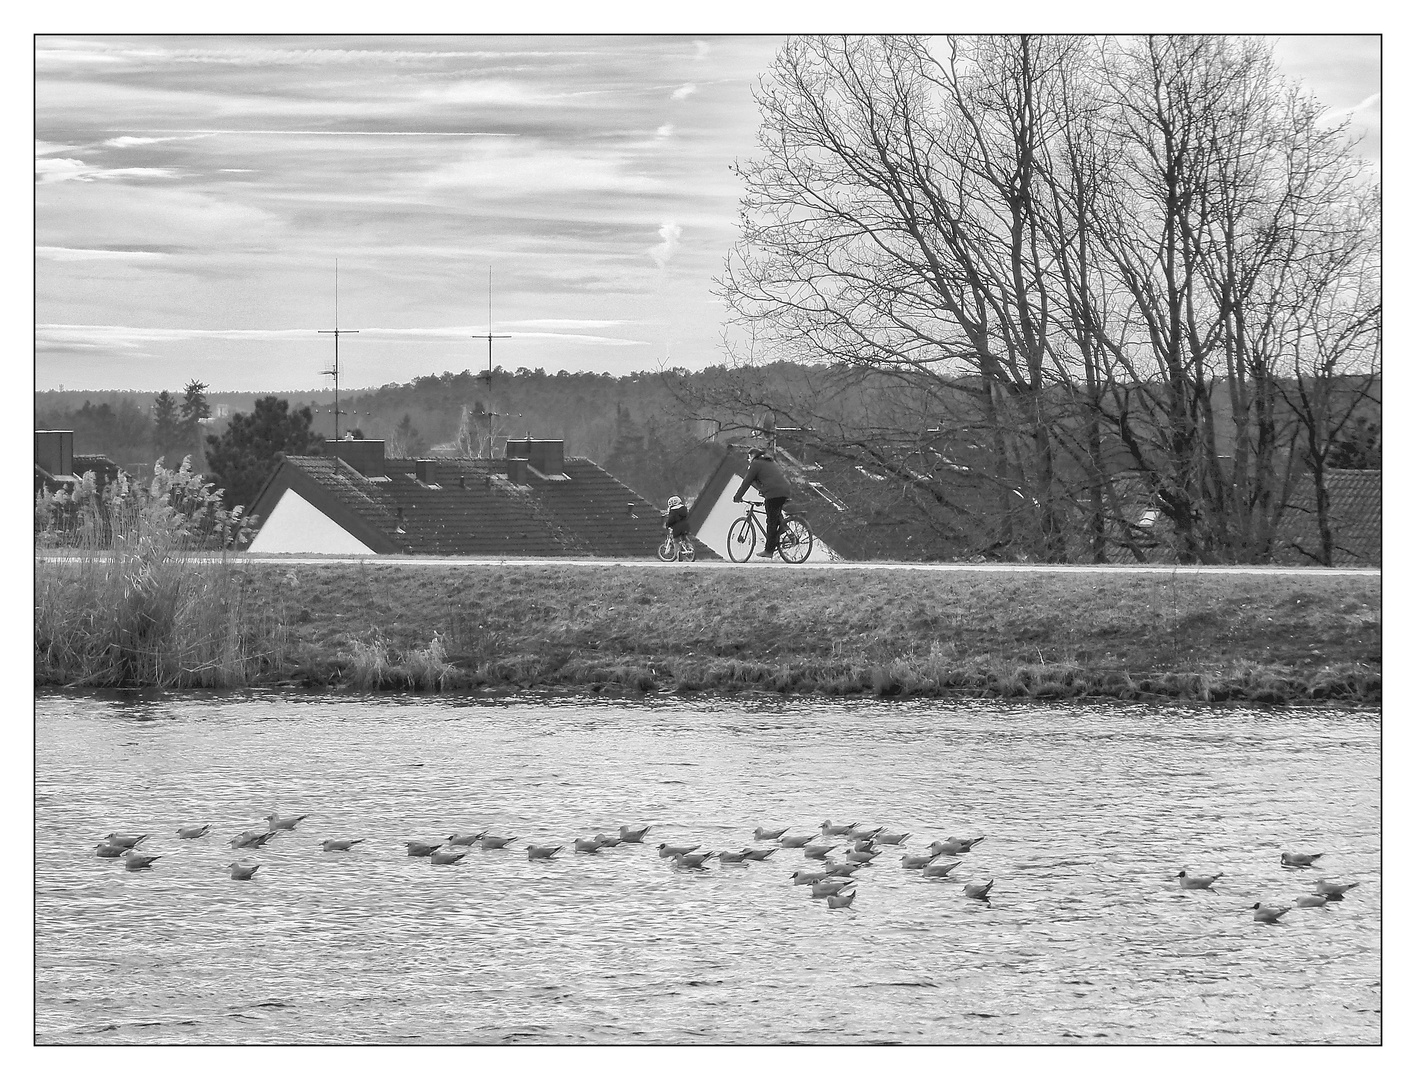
[(1088, 812)]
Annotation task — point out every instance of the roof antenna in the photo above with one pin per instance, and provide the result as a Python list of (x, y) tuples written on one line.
[(336, 332), (489, 334)]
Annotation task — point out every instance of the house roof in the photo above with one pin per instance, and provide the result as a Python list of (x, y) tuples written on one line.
[(473, 508), (857, 514), (1354, 517)]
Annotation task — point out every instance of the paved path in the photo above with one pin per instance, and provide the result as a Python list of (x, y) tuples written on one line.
[(762, 565)]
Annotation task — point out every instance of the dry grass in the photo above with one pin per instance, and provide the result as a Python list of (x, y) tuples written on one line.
[(940, 631)]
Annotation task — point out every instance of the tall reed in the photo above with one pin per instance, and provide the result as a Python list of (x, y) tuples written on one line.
[(132, 588)]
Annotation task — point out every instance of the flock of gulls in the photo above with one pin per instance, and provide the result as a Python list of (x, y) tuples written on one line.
[(841, 849), (1320, 894)]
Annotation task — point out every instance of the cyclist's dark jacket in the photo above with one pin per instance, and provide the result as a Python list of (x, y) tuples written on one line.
[(767, 476), (677, 520)]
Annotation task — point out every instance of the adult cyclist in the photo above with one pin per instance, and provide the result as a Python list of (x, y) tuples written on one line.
[(771, 482)]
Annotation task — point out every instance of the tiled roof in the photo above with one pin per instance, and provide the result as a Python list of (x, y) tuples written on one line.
[(857, 514), (1354, 516), (473, 509)]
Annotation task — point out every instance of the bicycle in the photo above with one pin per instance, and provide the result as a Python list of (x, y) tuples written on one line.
[(676, 548), (794, 541)]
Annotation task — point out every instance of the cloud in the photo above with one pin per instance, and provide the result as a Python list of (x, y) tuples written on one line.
[(65, 254), (48, 170), (662, 253), (683, 91), (75, 336), (664, 131)]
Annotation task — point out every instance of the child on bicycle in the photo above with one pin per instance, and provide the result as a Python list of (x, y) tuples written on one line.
[(676, 520)]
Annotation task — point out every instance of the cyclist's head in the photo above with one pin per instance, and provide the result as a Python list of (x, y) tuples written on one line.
[(757, 452), (675, 502)]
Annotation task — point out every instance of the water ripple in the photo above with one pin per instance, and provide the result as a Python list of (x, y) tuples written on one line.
[(1089, 811)]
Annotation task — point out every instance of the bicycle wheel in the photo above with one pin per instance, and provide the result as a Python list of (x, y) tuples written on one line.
[(668, 549), (742, 539), (795, 540), (687, 551)]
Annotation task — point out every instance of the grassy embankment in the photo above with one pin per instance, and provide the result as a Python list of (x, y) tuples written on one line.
[(790, 630)]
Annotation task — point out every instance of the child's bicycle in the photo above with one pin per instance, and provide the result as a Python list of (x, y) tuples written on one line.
[(676, 548)]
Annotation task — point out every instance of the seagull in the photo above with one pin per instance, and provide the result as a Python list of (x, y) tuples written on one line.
[(760, 833), (916, 862), (278, 822), (798, 840), (865, 845), (252, 838), (732, 856), (827, 829), (954, 845), (589, 846), (1332, 890), (809, 877), (243, 873), (340, 845), (835, 869), (1311, 900), (940, 869), (126, 840), (840, 900), (606, 840), (491, 843), (818, 851), (1197, 881), (534, 852), (110, 851), (464, 839), (1269, 913), (757, 854), (978, 892), (134, 861), (860, 856), (667, 850), (447, 858), (633, 836), (883, 837), (693, 860), (193, 832), (418, 850), (1292, 858), (830, 886)]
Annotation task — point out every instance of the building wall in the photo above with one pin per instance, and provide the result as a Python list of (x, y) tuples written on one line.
[(296, 527), (723, 512)]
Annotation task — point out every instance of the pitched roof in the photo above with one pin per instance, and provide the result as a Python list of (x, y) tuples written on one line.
[(473, 508), (857, 514), (1354, 517)]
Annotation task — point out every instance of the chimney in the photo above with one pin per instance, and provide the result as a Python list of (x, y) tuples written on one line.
[(364, 456), (398, 528), (427, 471), (546, 456), (54, 452), (516, 469)]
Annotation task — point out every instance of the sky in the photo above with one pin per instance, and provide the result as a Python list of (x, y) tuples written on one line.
[(196, 199)]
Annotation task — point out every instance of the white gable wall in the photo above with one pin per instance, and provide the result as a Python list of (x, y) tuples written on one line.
[(294, 526), (714, 532)]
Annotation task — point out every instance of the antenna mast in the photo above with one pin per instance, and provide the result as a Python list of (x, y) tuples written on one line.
[(489, 334), (336, 332)]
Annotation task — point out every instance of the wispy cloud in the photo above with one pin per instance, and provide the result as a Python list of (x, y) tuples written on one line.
[(661, 253), (683, 91)]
